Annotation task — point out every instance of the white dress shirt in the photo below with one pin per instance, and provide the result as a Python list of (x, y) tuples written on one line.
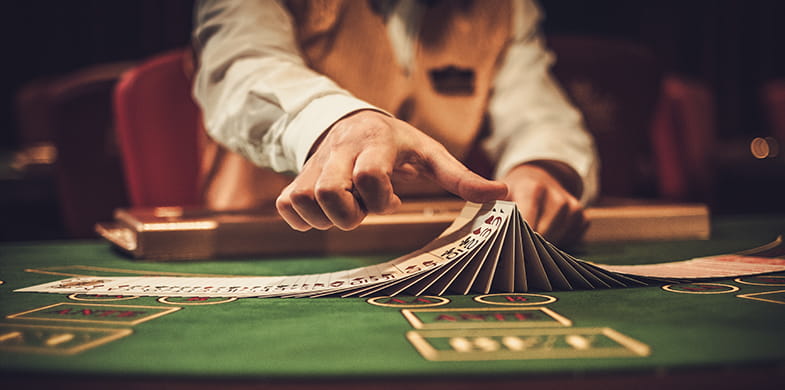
[(260, 99)]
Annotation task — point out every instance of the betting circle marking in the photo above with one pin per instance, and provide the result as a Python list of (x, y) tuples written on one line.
[(100, 298), (702, 288), (193, 302), (406, 302), (762, 280), (515, 299)]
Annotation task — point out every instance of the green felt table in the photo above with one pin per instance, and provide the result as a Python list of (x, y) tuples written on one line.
[(723, 334)]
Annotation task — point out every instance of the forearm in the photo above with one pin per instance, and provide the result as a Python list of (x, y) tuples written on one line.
[(257, 95)]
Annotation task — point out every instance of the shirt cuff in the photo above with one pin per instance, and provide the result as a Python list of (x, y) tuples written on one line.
[(316, 118)]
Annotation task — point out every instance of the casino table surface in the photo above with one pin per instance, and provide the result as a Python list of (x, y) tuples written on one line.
[(726, 333)]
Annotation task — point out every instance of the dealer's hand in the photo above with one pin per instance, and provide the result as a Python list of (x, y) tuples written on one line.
[(543, 192), (349, 173)]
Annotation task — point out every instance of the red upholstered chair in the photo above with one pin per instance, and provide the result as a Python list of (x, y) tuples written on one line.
[(70, 118), (683, 138), (653, 131), (615, 84), (157, 125)]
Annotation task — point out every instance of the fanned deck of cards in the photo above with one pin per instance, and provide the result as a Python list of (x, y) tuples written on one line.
[(488, 248)]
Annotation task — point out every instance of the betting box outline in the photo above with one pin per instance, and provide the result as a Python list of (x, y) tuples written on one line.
[(417, 323), (628, 347), (112, 334), (163, 310), (754, 296)]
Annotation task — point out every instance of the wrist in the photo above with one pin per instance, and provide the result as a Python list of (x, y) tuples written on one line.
[(356, 115)]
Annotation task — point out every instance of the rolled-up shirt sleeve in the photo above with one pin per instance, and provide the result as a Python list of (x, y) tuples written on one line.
[(531, 119), (257, 95)]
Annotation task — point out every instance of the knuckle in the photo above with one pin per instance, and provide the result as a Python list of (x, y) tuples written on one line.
[(327, 191), (302, 195), (370, 175), (283, 203)]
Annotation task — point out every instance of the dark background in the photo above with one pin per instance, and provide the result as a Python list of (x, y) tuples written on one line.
[(732, 46)]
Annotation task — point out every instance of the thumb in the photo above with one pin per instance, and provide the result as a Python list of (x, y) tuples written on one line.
[(454, 177)]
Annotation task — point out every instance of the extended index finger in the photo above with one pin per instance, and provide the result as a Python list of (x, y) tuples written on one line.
[(453, 176)]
